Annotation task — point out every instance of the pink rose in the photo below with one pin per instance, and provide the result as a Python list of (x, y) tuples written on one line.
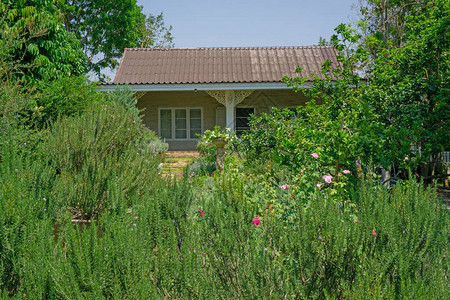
[(327, 178), (319, 185), (284, 187), (200, 211), (346, 172), (256, 221), (315, 155)]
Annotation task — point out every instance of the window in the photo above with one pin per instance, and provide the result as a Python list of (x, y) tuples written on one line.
[(242, 118), (165, 125), (195, 122), (180, 123)]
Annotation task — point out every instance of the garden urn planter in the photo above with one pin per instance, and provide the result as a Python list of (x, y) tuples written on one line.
[(220, 152)]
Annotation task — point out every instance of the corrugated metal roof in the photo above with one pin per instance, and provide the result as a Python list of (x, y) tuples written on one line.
[(219, 65)]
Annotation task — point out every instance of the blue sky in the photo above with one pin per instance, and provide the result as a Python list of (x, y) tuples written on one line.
[(244, 23)]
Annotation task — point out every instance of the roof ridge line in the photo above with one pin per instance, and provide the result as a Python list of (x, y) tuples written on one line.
[(227, 48)]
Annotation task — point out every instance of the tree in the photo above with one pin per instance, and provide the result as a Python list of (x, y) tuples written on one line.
[(155, 34), (104, 28), (34, 46), (383, 22), (338, 119), (410, 86)]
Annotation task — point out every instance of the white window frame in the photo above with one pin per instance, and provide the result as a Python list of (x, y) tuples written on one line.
[(188, 122)]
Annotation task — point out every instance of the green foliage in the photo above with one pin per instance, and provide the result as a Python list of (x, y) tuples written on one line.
[(156, 34), (200, 167), (17, 116), (403, 103), (159, 146), (410, 88), (66, 96), (338, 120), (195, 238), (92, 150), (34, 45), (163, 246), (123, 96), (308, 148), (383, 25), (105, 28)]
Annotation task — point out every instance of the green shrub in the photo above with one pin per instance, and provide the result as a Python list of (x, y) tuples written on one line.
[(89, 151), (183, 241), (65, 96), (200, 168), (159, 146), (311, 147)]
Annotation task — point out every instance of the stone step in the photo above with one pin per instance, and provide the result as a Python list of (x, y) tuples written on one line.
[(176, 161)]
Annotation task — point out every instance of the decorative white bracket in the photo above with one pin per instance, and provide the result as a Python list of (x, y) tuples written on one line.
[(230, 98)]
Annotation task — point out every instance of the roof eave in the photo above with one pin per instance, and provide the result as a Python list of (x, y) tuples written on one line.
[(171, 87)]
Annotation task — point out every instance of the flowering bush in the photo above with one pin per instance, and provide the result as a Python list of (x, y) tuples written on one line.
[(206, 147), (312, 147), (217, 133)]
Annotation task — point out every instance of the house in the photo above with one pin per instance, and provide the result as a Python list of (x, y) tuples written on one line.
[(186, 91)]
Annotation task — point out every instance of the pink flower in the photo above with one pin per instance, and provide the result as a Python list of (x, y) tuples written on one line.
[(302, 171), (256, 221), (327, 178), (284, 186), (346, 172), (373, 232), (315, 155), (319, 185), (200, 211)]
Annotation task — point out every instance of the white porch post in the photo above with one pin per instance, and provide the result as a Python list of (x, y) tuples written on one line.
[(230, 98), (230, 115)]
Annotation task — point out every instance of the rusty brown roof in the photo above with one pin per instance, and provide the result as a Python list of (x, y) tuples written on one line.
[(219, 65)]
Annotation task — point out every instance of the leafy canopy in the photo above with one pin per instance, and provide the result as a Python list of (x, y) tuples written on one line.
[(104, 28), (34, 46), (410, 84)]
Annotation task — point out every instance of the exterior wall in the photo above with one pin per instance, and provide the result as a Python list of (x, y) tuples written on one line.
[(151, 102), (264, 100), (261, 100)]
